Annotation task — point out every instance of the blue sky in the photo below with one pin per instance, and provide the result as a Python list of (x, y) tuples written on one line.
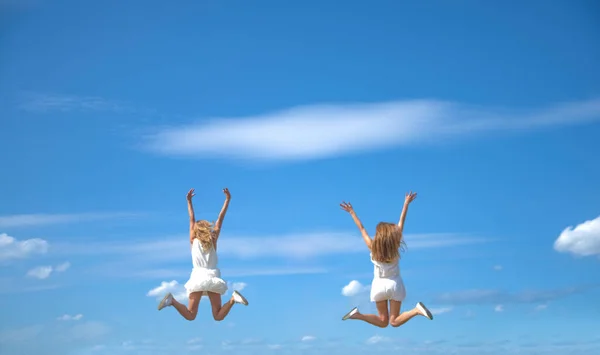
[(110, 111)]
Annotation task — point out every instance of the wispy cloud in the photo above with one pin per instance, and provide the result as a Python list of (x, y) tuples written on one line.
[(583, 240), (498, 296), (44, 102), (11, 248), (28, 220), (250, 271), (43, 272), (67, 317), (375, 339), (499, 308), (40, 272), (440, 310), (297, 246), (23, 334), (327, 130)]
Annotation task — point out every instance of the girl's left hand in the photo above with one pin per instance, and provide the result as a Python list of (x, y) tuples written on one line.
[(226, 192), (410, 197)]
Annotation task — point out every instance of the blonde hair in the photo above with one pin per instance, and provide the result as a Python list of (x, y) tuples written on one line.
[(203, 231), (388, 243)]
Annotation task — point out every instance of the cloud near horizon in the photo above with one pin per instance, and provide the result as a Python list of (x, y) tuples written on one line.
[(29, 220), (502, 297), (328, 130)]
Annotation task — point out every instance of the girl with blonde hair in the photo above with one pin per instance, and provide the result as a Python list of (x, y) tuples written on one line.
[(387, 282), (205, 279)]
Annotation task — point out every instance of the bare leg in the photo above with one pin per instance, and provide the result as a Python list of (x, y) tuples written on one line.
[(191, 310), (397, 319), (380, 320), (219, 311)]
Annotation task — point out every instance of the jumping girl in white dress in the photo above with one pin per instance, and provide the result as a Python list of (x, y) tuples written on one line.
[(205, 278), (387, 282)]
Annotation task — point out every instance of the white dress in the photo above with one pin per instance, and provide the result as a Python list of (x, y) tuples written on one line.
[(387, 282), (205, 276)]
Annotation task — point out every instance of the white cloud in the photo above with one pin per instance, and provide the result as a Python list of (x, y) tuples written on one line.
[(440, 310), (67, 317), (499, 308), (11, 248), (377, 339), (491, 296), (238, 286), (541, 307), (39, 102), (583, 240), (29, 220), (274, 346), (308, 338), (62, 267), (40, 272), (43, 272), (296, 246), (326, 130), (353, 289), (498, 267), (163, 273), (18, 335), (194, 341), (88, 331), (173, 286)]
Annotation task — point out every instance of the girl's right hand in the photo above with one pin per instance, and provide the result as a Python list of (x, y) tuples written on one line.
[(347, 206), (190, 194)]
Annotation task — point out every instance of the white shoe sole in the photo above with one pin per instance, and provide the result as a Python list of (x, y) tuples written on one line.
[(424, 311), (238, 298), (350, 314)]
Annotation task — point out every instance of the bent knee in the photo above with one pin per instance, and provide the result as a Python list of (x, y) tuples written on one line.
[(384, 321), (217, 316)]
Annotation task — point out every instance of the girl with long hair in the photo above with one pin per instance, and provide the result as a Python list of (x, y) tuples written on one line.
[(387, 285), (205, 279)]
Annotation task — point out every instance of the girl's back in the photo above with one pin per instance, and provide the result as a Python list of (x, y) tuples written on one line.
[(201, 258)]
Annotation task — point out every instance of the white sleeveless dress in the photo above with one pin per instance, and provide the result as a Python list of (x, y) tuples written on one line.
[(205, 276), (387, 282)]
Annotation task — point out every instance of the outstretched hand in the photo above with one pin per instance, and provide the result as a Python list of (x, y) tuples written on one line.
[(226, 192), (347, 206), (410, 197), (190, 194)]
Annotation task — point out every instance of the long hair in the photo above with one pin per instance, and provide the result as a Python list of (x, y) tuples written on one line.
[(203, 231), (388, 243)]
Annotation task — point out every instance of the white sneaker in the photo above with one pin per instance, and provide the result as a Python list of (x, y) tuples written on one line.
[(424, 311), (351, 313), (166, 301), (238, 298)]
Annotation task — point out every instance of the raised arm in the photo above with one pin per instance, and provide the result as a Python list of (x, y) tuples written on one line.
[(410, 197), (219, 223), (348, 208), (189, 197)]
